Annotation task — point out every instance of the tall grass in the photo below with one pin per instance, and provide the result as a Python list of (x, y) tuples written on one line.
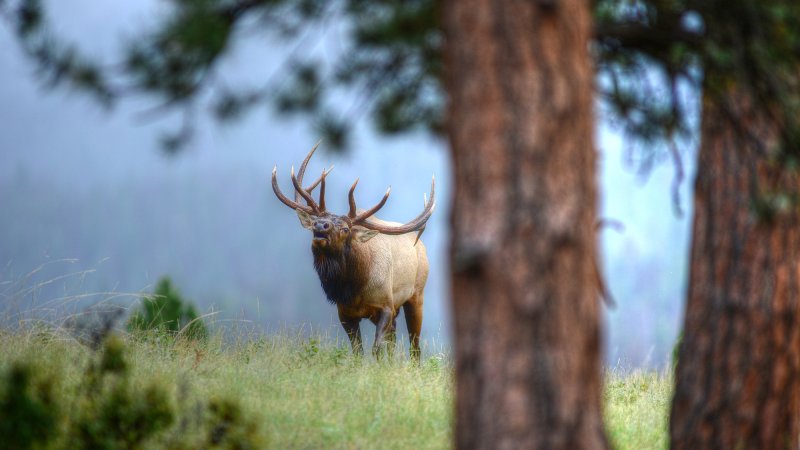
[(308, 393), (303, 393), (636, 408)]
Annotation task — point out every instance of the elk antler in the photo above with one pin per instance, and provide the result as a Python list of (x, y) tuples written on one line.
[(302, 170), (321, 190), (303, 193), (352, 200), (357, 218), (314, 185), (284, 199), (312, 207), (418, 224)]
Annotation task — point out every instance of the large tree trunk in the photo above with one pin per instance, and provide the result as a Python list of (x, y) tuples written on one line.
[(526, 314), (738, 372)]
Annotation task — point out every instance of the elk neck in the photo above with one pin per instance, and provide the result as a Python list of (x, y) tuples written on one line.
[(342, 272)]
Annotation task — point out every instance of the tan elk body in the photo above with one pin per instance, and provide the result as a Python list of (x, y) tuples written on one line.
[(368, 268)]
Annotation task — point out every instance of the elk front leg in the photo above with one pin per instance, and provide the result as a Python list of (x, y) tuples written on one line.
[(391, 336), (382, 327), (353, 330)]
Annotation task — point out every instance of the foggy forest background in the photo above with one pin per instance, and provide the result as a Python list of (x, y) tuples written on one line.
[(80, 184)]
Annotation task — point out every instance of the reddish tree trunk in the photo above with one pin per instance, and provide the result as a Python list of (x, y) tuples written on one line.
[(525, 310), (738, 372)]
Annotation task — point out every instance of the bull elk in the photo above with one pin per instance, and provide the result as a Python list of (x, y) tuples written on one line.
[(368, 268)]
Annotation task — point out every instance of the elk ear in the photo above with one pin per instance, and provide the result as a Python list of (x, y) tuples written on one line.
[(363, 234), (305, 219)]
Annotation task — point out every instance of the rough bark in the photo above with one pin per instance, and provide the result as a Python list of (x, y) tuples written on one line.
[(738, 372), (526, 314)]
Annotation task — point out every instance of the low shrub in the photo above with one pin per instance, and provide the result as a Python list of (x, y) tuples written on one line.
[(110, 409), (167, 311)]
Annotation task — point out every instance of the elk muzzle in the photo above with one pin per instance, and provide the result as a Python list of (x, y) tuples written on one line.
[(322, 232)]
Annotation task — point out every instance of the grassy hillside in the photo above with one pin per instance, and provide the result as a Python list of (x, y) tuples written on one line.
[(270, 392)]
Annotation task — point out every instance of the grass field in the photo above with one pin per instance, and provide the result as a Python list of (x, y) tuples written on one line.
[(280, 392)]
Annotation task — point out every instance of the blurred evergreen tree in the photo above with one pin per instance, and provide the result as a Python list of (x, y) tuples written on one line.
[(742, 313), (392, 58), (167, 311)]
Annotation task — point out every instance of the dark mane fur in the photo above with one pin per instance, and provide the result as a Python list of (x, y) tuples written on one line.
[(342, 273)]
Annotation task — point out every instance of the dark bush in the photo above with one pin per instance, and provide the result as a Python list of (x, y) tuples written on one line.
[(113, 414), (230, 428), (28, 409)]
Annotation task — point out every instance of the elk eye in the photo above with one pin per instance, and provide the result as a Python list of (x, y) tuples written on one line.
[(345, 230)]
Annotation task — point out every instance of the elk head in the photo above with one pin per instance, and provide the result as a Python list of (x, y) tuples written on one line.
[(333, 233)]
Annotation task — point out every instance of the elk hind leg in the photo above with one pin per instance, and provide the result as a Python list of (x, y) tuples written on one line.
[(384, 331), (413, 312)]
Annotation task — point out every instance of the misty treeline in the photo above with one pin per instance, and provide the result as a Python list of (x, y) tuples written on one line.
[(125, 248), (512, 87)]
